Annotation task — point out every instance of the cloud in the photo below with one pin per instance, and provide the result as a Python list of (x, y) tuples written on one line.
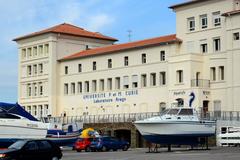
[(98, 22)]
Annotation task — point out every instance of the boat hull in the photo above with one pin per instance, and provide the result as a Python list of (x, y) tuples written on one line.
[(175, 132)]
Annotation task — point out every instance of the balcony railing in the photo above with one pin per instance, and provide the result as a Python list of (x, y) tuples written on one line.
[(204, 83), (131, 117)]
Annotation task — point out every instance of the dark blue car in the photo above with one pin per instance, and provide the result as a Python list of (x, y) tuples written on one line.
[(106, 143)]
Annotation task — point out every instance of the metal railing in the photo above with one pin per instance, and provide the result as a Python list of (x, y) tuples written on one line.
[(204, 83), (131, 117)]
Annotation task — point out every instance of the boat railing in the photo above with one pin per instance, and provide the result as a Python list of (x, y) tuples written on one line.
[(131, 117)]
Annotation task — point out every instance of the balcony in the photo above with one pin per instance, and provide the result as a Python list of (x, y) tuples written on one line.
[(203, 83)]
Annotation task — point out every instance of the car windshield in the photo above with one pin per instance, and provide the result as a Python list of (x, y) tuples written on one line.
[(17, 145)]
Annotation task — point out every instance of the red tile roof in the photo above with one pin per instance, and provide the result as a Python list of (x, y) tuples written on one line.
[(186, 3), (231, 13), (124, 46), (68, 29)]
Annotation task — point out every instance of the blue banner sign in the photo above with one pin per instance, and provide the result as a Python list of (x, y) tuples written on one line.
[(109, 97)]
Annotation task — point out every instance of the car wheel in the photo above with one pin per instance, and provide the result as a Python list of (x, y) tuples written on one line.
[(104, 149), (55, 158), (125, 148), (79, 150), (87, 149)]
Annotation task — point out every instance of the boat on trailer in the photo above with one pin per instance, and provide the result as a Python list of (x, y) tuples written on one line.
[(177, 125)]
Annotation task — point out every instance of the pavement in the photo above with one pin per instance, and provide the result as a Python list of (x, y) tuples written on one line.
[(216, 153)]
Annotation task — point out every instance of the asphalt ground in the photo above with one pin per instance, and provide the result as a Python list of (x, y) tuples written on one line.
[(217, 153)]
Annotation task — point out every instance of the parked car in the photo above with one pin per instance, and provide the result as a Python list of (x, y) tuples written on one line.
[(31, 150), (107, 143), (83, 144)]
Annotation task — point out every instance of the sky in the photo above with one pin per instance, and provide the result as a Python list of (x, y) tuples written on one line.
[(145, 18)]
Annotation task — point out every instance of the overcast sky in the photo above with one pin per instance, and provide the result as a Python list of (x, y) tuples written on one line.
[(145, 18)]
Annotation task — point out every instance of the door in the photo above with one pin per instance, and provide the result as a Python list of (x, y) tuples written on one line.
[(205, 108)]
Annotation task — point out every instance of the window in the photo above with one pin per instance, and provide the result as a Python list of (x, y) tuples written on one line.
[(79, 68), (44, 145), (144, 60), (109, 84), (109, 63), (153, 79), (217, 108), (236, 36), (162, 56), (94, 65), (221, 72), (79, 87), (35, 69), (29, 70), (66, 69), (101, 85), (29, 90), (72, 88), (40, 84), (134, 81), (40, 68), (203, 21), (204, 48), (216, 44), (65, 88), (216, 18), (125, 82), (23, 53), (86, 87), (46, 49), (29, 52), (34, 89), (126, 61), (117, 83), (191, 24), (40, 50), (213, 73), (94, 85), (35, 51), (179, 76), (162, 78), (143, 80)]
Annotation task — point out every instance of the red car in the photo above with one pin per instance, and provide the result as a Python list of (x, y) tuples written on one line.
[(83, 144)]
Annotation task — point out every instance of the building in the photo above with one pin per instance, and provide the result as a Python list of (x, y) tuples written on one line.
[(66, 70)]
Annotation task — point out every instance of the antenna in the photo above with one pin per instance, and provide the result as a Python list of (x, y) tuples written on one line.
[(129, 35)]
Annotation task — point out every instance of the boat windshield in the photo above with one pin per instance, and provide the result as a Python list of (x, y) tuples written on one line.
[(186, 111), (173, 111)]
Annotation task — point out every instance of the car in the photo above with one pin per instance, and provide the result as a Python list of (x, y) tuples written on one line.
[(83, 144), (107, 143), (31, 150)]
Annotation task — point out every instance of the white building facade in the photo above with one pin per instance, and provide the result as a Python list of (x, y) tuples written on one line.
[(68, 73)]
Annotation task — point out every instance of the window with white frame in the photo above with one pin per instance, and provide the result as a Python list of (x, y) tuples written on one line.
[(144, 58), (125, 82), (35, 69), (153, 79), (35, 89), (109, 84), (79, 87), (162, 56), (72, 88), (126, 61), (179, 76), (24, 55), (213, 73), (94, 85), (35, 51), (117, 83), (40, 50), (65, 88), (66, 70), (144, 80), (221, 73), (79, 68), (40, 68), (134, 81), (216, 18), (236, 36), (162, 78), (216, 44), (29, 70), (29, 90), (109, 63), (46, 49), (40, 86), (86, 86), (204, 47), (101, 85), (203, 21), (29, 52), (94, 65), (191, 24)]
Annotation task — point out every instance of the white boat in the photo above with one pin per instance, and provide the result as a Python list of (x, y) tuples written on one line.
[(16, 123), (178, 125), (229, 137)]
